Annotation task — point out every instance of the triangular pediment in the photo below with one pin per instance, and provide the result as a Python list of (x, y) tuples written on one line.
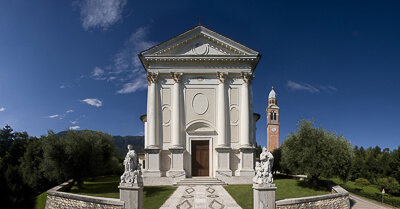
[(199, 41)]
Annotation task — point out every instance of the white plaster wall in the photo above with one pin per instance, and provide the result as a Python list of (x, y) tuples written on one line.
[(165, 159), (192, 85), (234, 162)]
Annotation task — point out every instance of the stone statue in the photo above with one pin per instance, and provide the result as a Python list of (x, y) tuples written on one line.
[(130, 161), (132, 172), (264, 168)]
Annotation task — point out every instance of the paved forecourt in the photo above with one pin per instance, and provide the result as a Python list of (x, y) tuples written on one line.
[(201, 196)]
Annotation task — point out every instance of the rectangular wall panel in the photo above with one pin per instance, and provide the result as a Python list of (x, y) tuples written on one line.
[(234, 133)]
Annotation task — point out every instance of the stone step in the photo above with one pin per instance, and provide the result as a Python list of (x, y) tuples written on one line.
[(208, 179), (194, 182), (200, 181)]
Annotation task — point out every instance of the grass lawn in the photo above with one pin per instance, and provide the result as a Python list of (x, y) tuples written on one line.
[(41, 201), (372, 192), (287, 188), (153, 196)]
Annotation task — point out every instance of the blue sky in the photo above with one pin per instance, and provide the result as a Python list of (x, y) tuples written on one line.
[(73, 63)]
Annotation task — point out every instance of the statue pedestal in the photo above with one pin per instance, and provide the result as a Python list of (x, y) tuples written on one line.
[(264, 196), (132, 195)]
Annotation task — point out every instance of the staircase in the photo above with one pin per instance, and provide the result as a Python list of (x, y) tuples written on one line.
[(200, 181)]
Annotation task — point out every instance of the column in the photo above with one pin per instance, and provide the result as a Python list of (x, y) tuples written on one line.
[(223, 171), (152, 148), (222, 122), (177, 150), (245, 111), (176, 110), (152, 79), (246, 149)]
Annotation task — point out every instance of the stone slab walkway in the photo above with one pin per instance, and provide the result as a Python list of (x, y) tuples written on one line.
[(200, 196)]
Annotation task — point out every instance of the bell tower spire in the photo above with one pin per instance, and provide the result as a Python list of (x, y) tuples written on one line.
[(272, 121)]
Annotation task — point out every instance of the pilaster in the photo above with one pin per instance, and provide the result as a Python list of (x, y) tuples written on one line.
[(143, 118)]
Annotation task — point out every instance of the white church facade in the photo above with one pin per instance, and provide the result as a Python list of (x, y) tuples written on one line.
[(200, 119)]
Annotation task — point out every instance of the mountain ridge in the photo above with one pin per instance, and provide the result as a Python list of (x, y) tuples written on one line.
[(121, 142)]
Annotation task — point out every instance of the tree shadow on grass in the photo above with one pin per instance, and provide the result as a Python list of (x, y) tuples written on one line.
[(109, 187), (321, 186), (155, 190), (281, 176)]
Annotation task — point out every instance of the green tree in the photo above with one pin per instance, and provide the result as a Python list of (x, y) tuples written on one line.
[(79, 155), (390, 184), (31, 167), (6, 137), (14, 193), (395, 163), (258, 150), (313, 151), (277, 153)]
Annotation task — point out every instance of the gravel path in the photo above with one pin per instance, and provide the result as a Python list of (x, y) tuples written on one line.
[(357, 202)]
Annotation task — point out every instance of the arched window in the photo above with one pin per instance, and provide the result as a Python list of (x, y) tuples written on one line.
[(274, 116)]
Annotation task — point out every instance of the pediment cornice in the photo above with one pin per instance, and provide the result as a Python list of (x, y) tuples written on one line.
[(199, 45)]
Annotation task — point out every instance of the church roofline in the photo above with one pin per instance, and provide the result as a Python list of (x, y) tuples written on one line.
[(202, 29), (158, 51)]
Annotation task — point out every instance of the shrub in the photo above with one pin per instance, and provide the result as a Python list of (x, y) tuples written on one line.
[(361, 182)]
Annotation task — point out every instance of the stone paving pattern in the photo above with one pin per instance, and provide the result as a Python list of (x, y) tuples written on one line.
[(201, 196)]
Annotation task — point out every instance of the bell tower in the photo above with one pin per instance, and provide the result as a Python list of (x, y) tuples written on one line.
[(272, 122)]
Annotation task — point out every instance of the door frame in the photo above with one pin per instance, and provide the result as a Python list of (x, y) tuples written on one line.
[(210, 152)]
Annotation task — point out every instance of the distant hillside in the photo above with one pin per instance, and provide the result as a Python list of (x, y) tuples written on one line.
[(121, 143)]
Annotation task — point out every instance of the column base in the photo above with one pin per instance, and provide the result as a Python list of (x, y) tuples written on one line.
[(223, 162), (247, 161), (176, 175), (150, 173), (264, 196), (177, 170), (132, 195), (153, 163)]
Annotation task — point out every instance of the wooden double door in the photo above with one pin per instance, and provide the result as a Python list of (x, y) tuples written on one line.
[(200, 158)]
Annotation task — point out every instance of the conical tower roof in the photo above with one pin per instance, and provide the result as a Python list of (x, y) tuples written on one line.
[(272, 94)]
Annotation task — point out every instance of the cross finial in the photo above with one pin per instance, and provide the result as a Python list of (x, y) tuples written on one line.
[(199, 18)]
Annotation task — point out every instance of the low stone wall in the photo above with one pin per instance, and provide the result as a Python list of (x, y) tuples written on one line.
[(338, 199), (58, 198)]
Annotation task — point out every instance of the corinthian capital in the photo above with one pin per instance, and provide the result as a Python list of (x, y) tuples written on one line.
[(177, 77), (222, 76), (152, 77), (247, 77)]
